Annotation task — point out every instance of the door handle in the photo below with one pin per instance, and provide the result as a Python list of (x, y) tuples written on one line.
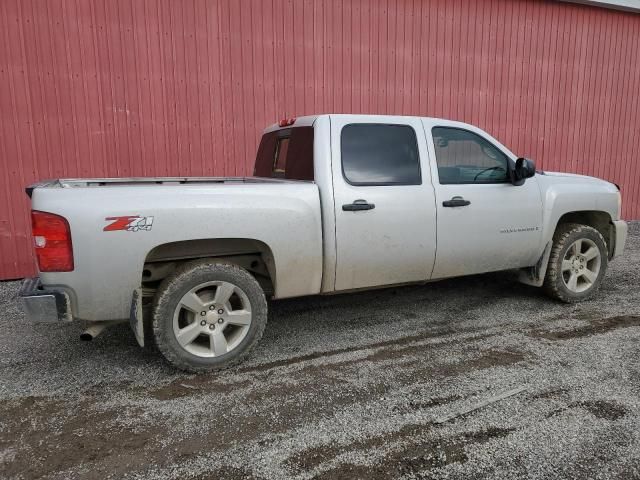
[(456, 202), (358, 205)]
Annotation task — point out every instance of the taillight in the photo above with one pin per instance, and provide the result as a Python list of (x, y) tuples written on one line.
[(52, 239)]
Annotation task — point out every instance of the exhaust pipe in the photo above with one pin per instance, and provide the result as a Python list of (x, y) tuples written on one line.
[(94, 329)]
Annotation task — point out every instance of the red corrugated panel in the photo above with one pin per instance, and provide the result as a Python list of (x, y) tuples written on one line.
[(157, 87)]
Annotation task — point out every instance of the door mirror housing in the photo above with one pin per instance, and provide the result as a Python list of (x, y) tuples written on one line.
[(524, 168)]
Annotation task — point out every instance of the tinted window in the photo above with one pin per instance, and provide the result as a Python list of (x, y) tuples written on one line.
[(374, 154), (286, 154), (280, 164), (464, 157)]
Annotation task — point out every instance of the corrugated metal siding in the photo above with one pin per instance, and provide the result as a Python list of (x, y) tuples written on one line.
[(149, 87)]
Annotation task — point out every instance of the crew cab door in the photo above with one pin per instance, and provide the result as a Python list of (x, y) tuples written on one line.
[(384, 201), (485, 223)]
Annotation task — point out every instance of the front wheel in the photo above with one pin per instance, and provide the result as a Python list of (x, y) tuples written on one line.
[(208, 316), (577, 263)]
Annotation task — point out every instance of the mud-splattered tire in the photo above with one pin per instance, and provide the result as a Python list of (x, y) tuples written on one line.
[(577, 263), (208, 316)]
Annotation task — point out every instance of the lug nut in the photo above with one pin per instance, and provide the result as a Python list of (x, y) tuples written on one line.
[(212, 307), (203, 323), (211, 327), (203, 313), (220, 320), (220, 312)]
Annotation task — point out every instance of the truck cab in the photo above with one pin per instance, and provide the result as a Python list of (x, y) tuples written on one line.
[(410, 199)]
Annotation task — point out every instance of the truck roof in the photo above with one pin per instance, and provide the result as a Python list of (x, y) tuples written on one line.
[(309, 120)]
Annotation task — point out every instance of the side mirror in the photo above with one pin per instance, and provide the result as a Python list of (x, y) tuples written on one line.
[(523, 169)]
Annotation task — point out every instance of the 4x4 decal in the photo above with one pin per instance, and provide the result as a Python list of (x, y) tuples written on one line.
[(130, 223)]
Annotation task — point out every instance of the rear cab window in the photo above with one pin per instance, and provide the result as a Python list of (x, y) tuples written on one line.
[(380, 154), (286, 153)]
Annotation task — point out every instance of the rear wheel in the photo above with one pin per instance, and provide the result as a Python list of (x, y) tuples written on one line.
[(577, 263), (208, 316)]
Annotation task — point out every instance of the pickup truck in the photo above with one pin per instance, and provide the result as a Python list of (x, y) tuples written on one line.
[(337, 203)]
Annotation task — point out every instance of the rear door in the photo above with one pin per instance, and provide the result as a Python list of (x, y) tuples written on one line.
[(384, 201), (484, 222)]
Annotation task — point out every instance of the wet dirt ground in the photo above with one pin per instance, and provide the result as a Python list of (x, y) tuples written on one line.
[(371, 385)]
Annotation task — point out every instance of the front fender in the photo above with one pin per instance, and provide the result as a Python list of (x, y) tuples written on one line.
[(568, 194)]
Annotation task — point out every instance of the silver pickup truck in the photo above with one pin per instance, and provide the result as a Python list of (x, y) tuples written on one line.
[(337, 203)]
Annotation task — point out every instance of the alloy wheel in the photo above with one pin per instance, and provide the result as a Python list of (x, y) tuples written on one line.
[(581, 265), (212, 319)]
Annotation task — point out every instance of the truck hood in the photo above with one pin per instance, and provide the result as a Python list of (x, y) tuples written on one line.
[(576, 178)]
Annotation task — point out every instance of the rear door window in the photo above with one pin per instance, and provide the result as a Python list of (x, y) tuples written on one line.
[(379, 154)]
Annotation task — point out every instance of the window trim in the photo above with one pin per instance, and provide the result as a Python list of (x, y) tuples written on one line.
[(381, 184), (435, 157)]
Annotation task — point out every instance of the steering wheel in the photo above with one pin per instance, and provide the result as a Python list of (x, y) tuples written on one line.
[(488, 170)]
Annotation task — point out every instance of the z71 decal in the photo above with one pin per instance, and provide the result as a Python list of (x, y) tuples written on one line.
[(130, 223)]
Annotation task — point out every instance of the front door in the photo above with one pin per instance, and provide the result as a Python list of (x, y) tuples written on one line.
[(384, 201), (484, 222)]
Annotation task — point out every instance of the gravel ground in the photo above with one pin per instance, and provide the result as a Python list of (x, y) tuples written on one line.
[(352, 386)]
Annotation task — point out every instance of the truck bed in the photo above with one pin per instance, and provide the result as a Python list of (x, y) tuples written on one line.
[(131, 181)]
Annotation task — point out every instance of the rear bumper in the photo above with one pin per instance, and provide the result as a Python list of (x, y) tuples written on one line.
[(42, 305), (621, 228)]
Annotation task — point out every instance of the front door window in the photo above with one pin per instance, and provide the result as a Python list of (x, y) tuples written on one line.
[(464, 157)]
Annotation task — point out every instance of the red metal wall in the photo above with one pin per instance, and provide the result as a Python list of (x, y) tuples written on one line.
[(149, 87)]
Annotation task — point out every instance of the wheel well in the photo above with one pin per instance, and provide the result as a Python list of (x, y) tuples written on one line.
[(252, 255), (601, 221)]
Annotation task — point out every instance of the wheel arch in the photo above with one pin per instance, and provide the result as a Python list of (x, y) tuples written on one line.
[(598, 219), (253, 255)]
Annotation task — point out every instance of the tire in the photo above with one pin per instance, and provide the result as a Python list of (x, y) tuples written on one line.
[(588, 265), (208, 316)]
